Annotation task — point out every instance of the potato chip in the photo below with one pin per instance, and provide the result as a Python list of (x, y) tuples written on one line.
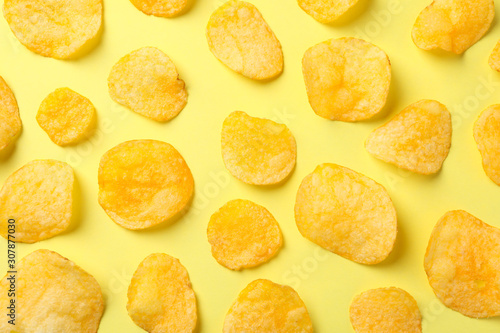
[(462, 264), (10, 122), (487, 136), (326, 11), (494, 60), (160, 296), (385, 310), (161, 8), (39, 197), (146, 81), (241, 39), (267, 307), (52, 294), (143, 183), (346, 79), (54, 28), (417, 139), (346, 213), (452, 25), (243, 234), (257, 151)]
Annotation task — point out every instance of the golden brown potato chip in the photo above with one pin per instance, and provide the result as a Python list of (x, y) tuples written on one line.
[(161, 8), (39, 197), (243, 234), (452, 25), (462, 264), (385, 310), (267, 307), (54, 28), (10, 122), (487, 136), (146, 81), (494, 60), (143, 183), (346, 79), (257, 151), (346, 213), (160, 296), (241, 39), (326, 11), (417, 139), (53, 294)]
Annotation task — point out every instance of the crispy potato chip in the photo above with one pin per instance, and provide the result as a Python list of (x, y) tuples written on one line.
[(143, 183), (257, 151), (326, 11), (10, 122), (54, 28), (146, 81), (346, 79), (39, 197), (494, 60), (241, 39), (452, 25), (161, 8), (160, 296), (417, 139), (462, 264), (487, 136), (53, 294), (346, 213), (267, 307)]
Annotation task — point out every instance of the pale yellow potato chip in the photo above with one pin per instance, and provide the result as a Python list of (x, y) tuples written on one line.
[(463, 266), (160, 296), (346, 213), (452, 25), (146, 81), (417, 139), (39, 197), (257, 151), (487, 136), (266, 307), (54, 28), (494, 59), (53, 295), (346, 79), (243, 234), (326, 11), (143, 183), (10, 122), (242, 40), (161, 8)]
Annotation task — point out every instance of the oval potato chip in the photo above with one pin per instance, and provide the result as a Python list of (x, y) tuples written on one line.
[(326, 11), (494, 59), (161, 8), (10, 122), (487, 136)]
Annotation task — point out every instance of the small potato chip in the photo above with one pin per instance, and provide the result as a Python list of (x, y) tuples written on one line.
[(487, 136), (10, 122), (346, 79), (241, 39), (266, 307), (39, 197), (161, 8), (494, 60), (417, 139), (346, 213), (326, 11), (462, 264), (257, 151), (53, 294), (146, 81), (160, 296), (243, 234), (452, 25), (143, 183)]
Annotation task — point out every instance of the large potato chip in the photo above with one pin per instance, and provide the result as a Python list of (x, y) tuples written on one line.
[(494, 59), (52, 294), (54, 28), (162, 8), (346, 213), (243, 234), (241, 39), (452, 25), (10, 122), (267, 307), (462, 263), (346, 79), (160, 296), (39, 197), (257, 151), (417, 139), (146, 81), (487, 136), (143, 183), (326, 11)]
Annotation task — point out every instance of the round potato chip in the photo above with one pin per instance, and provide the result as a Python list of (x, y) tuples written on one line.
[(241, 39), (39, 197), (266, 307), (257, 151), (487, 136), (346, 79), (494, 60), (143, 183), (161, 8), (10, 122), (326, 11), (160, 296), (462, 264), (346, 213), (146, 81)]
